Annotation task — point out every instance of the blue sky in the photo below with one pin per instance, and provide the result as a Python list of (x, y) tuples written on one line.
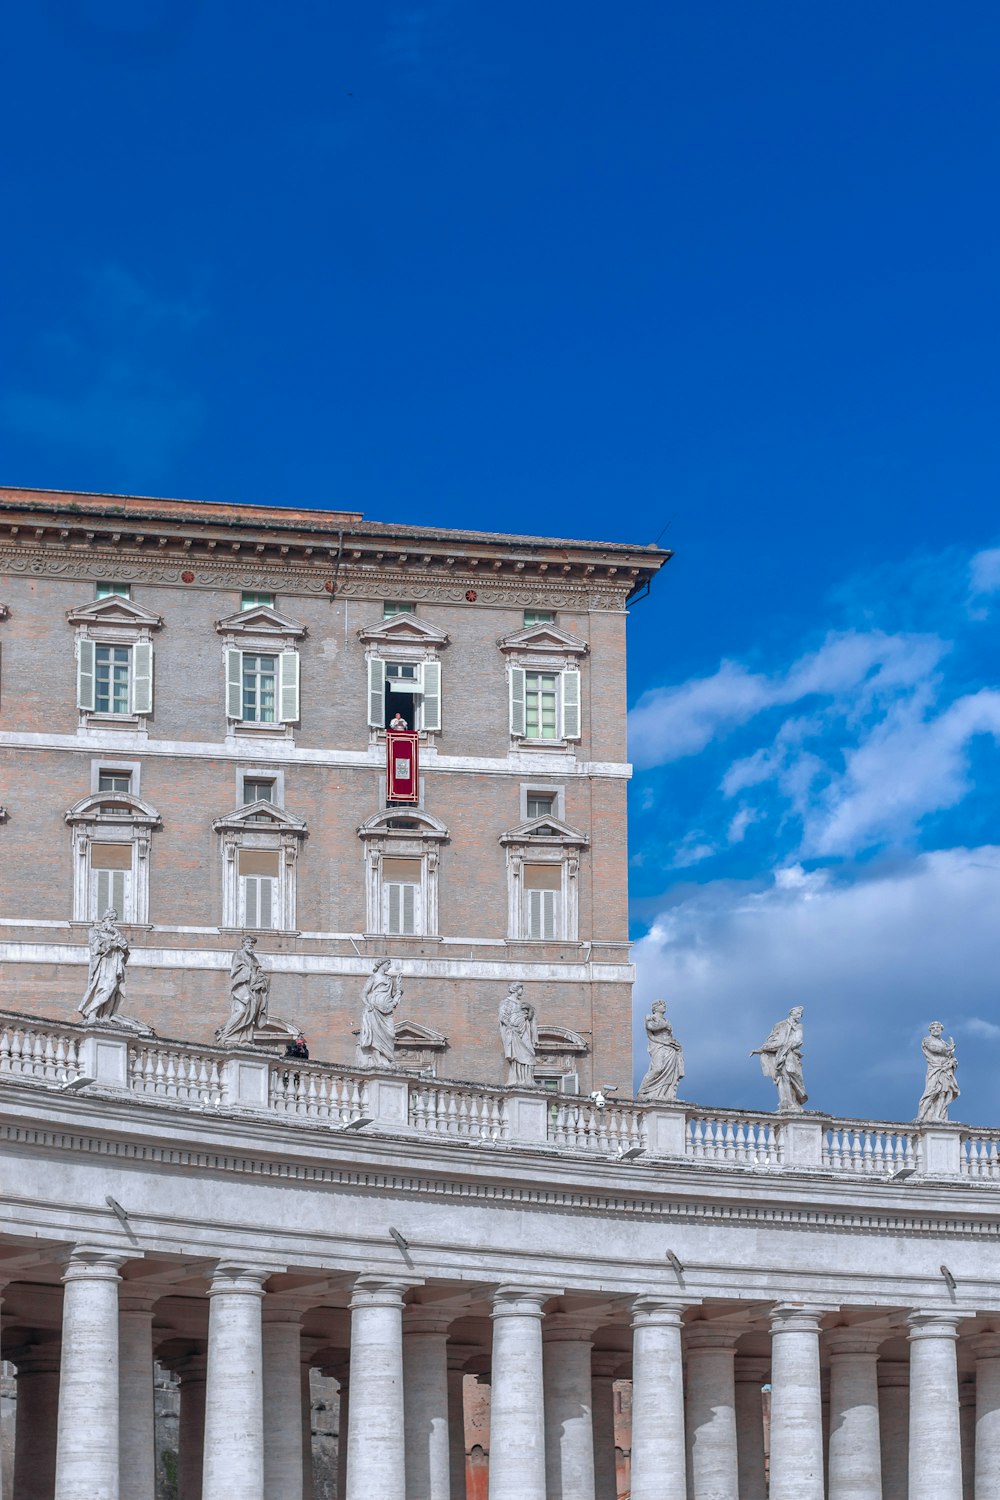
[(727, 270)]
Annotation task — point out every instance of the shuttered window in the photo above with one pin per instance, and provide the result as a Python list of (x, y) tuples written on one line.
[(542, 897), (401, 907), (258, 893), (111, 880), (541, 705), (111, 679)]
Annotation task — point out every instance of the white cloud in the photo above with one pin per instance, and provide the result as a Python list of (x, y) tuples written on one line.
[(984, 571), (873, 963), (670, 723)]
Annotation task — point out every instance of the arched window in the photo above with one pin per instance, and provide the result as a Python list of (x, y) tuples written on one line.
[(111, 844), (401, 865)]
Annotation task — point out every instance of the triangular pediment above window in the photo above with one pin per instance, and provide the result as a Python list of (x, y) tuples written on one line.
[(545, 830), (259, 817), (120, 806), (403, 630), (545, 638), (115, 609), (425, 1038), (260, 619)]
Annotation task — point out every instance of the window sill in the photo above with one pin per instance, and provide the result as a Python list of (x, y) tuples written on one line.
[(256, 726), (111, 721), (561, 745), (258, 932)]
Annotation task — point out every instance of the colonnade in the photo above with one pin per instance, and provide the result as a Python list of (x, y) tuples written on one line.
[(875, 1430)]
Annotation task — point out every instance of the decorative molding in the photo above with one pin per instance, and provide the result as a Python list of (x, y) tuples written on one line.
[(544, 832), (261, 623), (122, 566), (406, 630), (664, 1207), (114, 615), (544, 640)]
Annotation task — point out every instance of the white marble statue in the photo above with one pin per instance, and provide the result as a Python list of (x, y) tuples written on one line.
[(519, 1037), (940, 1087), (248, 996), (781, 1060), (105, 990), (380, 997), (666, 1060)]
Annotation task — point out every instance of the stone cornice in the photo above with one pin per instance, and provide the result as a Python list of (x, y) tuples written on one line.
[(123, 537), (409, 1166)]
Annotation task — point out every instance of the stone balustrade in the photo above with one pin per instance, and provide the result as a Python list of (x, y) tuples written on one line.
[(202, 1077)]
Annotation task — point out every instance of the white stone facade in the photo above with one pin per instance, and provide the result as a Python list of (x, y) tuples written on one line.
[(213, 1211)]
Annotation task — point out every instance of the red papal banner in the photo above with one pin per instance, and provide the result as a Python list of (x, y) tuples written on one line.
[(402, 773)]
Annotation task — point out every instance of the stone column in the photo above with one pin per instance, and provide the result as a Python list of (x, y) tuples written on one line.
[(750, 1376), (234, 1392), (603, 1369), (935, 1460), (567, 1342), (191, 1428), (425, 1403), (658, 1459), (376, 1444), (986, 1348), (87, 1444), (517, 1408), (137, 1436), (855, 1445), (894, 1427), (35, 1423), (458, 1355), (343, 1419), (712, 1465), (308, 1466), (796, 1404), (282, 1396), (967, 1431)]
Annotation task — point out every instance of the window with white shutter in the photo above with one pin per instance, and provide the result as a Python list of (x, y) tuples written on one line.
[(142, 677), (258, 888), (111, 880), (288, 687), (401, 904), (542, 901), (570, 704), (518, 725)]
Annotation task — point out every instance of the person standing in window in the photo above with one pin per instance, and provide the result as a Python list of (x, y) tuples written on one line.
[(398, 722)]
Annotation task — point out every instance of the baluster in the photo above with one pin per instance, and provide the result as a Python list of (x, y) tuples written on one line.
[(867, 1152), (5, 1050)]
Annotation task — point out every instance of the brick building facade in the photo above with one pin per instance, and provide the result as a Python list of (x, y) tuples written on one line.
[(193, 711)]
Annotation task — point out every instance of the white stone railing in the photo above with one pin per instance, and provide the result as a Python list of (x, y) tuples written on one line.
[(876, 1150), (27, 1051), (581, 1126), (730, 1136), (459, 1111), (979, 1155), (166, 1072), (189, 1075), (308, 1092)]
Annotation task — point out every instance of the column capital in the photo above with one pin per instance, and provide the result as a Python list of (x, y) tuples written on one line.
[(752, 1370), (651, 1310), (520, 1301), (606, 1363), (707, 1334), (893, 1372), (934, 1323), (798, 1317), (460, 1354), (92, 1263), (559, 1327), (137, 1297), (853, 1341), (380, 1291), (420, 1319), (239, 1276), (985, 1345), (36, 1359)]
